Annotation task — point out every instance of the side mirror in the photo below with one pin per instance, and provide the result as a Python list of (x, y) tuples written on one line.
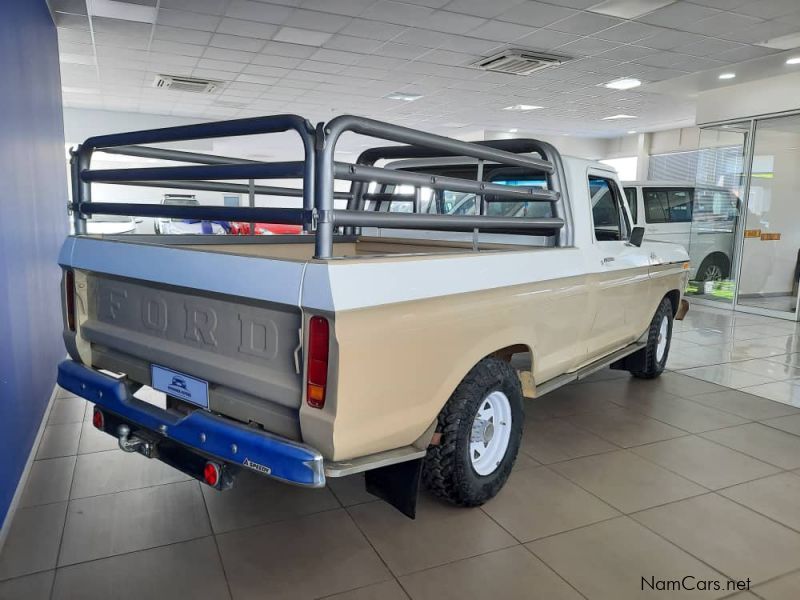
[(637, 235)]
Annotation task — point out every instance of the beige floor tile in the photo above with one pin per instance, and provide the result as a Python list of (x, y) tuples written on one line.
[(510, 574), (49, 481), (524, 461), (705, 462), (608, 560), (67, 410), (787, 392), (626, 481), (350, 490), (727, 376), (440, 534), (94, 440), (625, 427), (116, 471), (775, 497), (538, 502), (185, 570), (33, 538), (386, 590), (554, 440), (62, 393), (774, 370), (682, 413), (103, 526), (782, 588), (759, 441), (255, 500), (730, 538), (59, 440), (682, 385), (792, 359), (300, 559), (31, 587), (569, 400), (745, 405), (789, 423)]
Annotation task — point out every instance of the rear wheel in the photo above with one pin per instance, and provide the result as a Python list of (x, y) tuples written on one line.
[(659, 336), (714, 267), (481, 429)]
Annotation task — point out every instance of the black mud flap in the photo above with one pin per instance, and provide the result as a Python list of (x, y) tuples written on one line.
[(632, 362), (397, 485)]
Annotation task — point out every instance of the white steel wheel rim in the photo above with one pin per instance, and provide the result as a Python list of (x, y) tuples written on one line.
[(663, 337), (491, 432)]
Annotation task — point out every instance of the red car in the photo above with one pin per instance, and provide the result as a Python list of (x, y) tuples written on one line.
[(238, 228)]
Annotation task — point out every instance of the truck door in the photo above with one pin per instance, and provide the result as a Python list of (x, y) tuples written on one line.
[(621, 271)]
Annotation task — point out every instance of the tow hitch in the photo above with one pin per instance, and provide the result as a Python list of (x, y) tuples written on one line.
[(129, 443)]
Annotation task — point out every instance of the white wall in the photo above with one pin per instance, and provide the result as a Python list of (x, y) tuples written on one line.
[(765, 96)]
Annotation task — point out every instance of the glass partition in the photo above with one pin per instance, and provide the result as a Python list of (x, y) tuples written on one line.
[(716, 211), (771, 246)]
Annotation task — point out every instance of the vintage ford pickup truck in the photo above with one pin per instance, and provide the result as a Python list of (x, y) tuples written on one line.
[(381, 338)]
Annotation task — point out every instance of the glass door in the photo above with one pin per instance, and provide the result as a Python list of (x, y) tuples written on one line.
[(720, 177), (770, 264)]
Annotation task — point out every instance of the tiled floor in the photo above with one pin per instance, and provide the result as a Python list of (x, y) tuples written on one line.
[(617, 480)]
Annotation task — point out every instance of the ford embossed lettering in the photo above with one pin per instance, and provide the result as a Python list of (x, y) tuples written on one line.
[(179, 385)]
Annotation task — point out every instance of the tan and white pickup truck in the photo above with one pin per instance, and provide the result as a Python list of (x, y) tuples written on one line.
[(379, 340)]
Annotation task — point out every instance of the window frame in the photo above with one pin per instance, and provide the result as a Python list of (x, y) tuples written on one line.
[(624, 224)]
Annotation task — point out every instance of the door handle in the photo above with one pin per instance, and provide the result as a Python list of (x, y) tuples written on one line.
[(607, 260)]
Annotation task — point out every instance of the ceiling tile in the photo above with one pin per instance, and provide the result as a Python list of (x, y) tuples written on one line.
[(189, 20), (396, 12), (662, 59), (546, 39), (235, 42), (501, 31), (219, 65), (289, 50), (120, 27), (709, 47), (446, 57), (450, 22), (283, 62), (374, 30), (225, 54), (251, 29), (677, 15), (399, 50), (721, 4), (351, 8), (75, 7), (722, 23), (185, 36), (256, 11), (585, 23), (762, 32), (352, 44), (481, 8), (317, 21), (210, 7), (626, 53), (586, 47), (630, 31), (536, 14), (336, 56), (301, 36), (176, 48), (469, 45), (744, 53), (767, 9), (670, 39), (421, 37)]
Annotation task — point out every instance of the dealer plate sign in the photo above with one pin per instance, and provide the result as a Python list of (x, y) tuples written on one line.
[(179, 385)]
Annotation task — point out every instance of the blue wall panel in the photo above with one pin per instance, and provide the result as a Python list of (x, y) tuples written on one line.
[(33, 223)]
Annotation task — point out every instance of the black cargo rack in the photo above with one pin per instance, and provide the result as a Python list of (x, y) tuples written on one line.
[(318, 170)]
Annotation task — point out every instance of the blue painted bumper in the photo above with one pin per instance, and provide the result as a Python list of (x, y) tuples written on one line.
[(201, 431)]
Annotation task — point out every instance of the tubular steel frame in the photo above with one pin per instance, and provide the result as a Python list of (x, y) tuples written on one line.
[(318, 171)]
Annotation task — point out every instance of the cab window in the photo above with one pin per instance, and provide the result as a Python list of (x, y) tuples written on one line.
[(610, 223)]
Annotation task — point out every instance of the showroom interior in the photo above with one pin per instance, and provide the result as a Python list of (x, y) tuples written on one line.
[(628, 482)]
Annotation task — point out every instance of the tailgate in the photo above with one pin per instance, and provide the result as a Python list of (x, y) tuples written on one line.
[(245, 346)]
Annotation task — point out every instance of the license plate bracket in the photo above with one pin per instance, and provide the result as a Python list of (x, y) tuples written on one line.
[(174, 383)]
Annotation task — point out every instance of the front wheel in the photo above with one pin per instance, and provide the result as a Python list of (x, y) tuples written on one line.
[(481, 429), (659, 337)]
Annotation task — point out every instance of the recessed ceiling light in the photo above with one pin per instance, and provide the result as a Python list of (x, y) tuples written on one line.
[(514, 130), (615, 117), (403, 96), (727, 76), (629, 9), (523, 107), (623, 84), (795, 60), (631, 131), (782, 42)]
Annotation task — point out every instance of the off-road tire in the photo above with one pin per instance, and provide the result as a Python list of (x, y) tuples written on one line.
[(716, 262), (448, 471), (653, 366)]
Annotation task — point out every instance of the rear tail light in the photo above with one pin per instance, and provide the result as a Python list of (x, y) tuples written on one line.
[(69, 296), (211, 474), (98, 420), (317, 378)]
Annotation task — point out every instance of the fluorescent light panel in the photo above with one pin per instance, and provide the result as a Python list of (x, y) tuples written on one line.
[(617, 117), (629, 9), (523, 107), (124, 11), (403, 97), (727, 76), (783, 42), (795, 60)]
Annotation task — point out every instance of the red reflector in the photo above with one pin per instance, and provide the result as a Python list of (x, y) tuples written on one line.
[(211, 474), (317, 378), (69, 296), (98, 420)]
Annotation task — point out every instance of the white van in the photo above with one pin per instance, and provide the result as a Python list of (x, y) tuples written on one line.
[(700, 218)]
